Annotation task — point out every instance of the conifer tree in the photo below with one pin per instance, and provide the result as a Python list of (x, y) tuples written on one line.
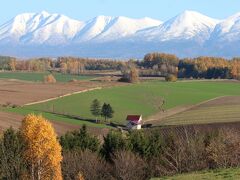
[(107, 111), (12, 165), (96, 108)]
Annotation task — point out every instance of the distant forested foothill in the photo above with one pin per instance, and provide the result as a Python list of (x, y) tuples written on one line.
[(153, 64)]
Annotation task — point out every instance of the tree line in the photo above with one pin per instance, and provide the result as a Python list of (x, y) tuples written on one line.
[(153, 64), (69, 65), (161, 64), (35, 152)]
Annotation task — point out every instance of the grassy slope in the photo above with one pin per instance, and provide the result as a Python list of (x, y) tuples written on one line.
[(34, 76), (230, 174), (224, 113), (55, 117), (136, 99)]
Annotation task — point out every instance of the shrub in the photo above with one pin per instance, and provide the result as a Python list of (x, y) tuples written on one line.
[(171, 78), (133, 76), (224, 150), (86, 164), (49, 79), (123, 79), (14, 106), (130, 74), (178, 153), (105, 79), (129, 166)]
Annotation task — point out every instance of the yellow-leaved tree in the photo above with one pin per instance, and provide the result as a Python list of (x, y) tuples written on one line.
[(43, 151)]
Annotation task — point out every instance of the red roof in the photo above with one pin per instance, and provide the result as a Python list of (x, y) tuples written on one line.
[(133, 117)]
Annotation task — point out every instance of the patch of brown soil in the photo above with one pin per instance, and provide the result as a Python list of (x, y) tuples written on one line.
[(227, 100), (9, 120), (20, 92)]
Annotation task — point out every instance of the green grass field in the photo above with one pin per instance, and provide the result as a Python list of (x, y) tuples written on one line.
[(228, 174), (38, 76), (135, 99)]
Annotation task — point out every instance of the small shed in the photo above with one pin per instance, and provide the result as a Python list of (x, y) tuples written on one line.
[(134, 121)]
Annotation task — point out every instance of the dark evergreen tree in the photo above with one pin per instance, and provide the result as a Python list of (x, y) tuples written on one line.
[(114, 141), (96, 108), (79, 140), (107, 111), (12, 164), (139, 143)]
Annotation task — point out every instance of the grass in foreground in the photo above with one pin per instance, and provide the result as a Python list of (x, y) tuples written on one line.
[(137, 98), (38, 76), (230, 174)]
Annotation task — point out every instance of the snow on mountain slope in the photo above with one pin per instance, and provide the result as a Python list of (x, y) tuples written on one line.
[(16, 27), (227, 30), (187, 34), (45, 28), (187, 25), (105, 28), (122, 27), (52, 29), (93, 28), (40, 28)]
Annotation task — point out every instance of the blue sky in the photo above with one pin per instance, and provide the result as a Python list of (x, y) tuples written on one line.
[(86, 9)]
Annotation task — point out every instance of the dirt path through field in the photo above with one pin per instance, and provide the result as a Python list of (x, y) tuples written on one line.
[(179, 109), (65, 95)]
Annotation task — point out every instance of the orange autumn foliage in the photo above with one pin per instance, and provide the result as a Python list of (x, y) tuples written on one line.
[(49, 79), (235, 69), (80, 176), (43, 151)]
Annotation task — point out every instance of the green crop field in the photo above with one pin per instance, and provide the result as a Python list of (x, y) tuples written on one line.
[(134, 99), (214, 114), (227, 174), (35, 76)]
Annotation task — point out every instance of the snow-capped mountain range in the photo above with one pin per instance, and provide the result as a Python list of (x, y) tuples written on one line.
[(186, 35)]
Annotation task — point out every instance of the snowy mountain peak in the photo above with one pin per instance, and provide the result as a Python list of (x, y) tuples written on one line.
[(39, 28), (122, 27), (227, 24), (186, 25), (187, 34), (44, 13), (107, 28), (190, 13), (227, 30)]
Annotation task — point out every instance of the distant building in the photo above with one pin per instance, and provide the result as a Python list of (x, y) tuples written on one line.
[(134, 121)]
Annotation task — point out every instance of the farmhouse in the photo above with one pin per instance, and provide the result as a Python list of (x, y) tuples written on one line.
[(134, 121)]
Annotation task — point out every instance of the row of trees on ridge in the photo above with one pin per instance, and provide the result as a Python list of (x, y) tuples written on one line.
[(153, 64)]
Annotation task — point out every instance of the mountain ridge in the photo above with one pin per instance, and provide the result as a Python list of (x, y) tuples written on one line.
[(187, 34)]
